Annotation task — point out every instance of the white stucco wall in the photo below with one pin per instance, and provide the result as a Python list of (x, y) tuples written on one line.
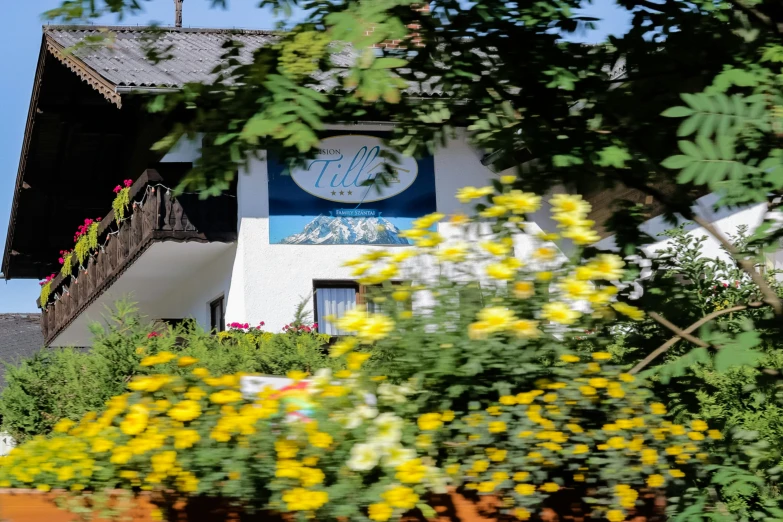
[(727, 221), (269, 280)]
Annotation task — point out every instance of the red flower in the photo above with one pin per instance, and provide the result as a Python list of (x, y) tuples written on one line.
[(315, 326), (128, 183), (117, 189), (98, 219), (61, 260), (262, 323), (152, 334), (245, 326)]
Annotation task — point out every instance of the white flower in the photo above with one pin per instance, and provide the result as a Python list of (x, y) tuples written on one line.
[(364, 457), (396, 455), (366, 412), (387, 429), (392, 393), (436, 480), (322, 378)]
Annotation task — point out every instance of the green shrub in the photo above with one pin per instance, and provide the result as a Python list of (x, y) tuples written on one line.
[(67, 383)]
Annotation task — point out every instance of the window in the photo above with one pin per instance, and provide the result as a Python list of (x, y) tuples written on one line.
[(334, 298), (217, 315)]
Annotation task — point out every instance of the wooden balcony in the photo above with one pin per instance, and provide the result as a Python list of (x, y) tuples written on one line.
[(158, 217)]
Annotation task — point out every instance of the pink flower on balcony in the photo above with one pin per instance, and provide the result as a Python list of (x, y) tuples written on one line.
[(117, 189), (262, 323), (128, 183), (315, 326), (152, 334), (98, 219), (245, 326), (61, 260)]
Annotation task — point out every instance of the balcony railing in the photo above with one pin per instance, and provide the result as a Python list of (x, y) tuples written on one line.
[(158, 217)]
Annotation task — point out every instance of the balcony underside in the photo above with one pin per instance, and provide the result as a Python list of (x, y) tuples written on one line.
[(168, 280)]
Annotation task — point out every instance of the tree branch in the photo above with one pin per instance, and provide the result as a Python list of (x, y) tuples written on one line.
[(676, 329), (671, 342)]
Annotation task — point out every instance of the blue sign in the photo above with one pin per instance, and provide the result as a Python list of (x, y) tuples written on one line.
[(329, 200)]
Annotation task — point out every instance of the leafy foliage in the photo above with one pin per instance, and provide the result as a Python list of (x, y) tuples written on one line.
[(67, 383)]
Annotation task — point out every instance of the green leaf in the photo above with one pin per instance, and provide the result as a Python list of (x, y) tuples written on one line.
[(389, 63), (677, 112), (678, 161), (689, 126), (426, 510)]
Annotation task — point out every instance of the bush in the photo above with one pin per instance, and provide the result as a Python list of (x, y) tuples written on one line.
[(67, 383)]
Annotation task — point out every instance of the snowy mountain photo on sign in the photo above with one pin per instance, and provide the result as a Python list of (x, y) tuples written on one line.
[(328, 230)]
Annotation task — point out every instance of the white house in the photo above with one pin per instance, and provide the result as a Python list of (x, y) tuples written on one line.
[(248, 256)]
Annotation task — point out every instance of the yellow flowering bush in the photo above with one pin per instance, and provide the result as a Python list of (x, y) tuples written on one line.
[(481, 388)]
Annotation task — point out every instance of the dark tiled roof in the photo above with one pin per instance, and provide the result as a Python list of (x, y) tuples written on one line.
[(193, 54), (20, 338), (122, 61)]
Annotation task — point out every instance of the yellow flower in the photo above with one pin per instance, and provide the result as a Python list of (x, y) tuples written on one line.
[(606, 266), (655, 481), (508, 179), (625, 377), (575, 289), (581, 235), (496, 318), (525, 489), (549, 487), (494, 211), (578, 477), (121, 455), (310, 477), (486, 487), (628, 310), (447, 416), (320, 439), (715, 434), (380, 512), (521, 476), (657, 408), (525, 328), (186, 360), (695, 435), (545, 276), (467, 194), (411, 471), (602, 356), (453, 253), (185, 411), (497, 455), (185, 438), (519, 202), (699, 425), (401, 497), (587, 391), (63, 425), (480, 466), (225, 396), (135, 421), (428, 220), (355, 360), (569, 204), (497, 427), (102, 445), (580, 449), (375, 328), (676, 473), (523, 289), (649, 457), (201, 372), (508, 400), (559, 313), (568, 358), (459, 219), (615, 515), (501, 271), (342, 347), (430, 421), (674, 450), (544, 254), (497, 248), (522, 513), (160, 358)]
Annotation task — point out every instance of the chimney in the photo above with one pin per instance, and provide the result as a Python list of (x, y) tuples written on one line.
[(178, 13)]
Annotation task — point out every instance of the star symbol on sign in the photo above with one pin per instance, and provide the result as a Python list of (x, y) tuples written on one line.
[(342, 193), (349, 192), (334, 193)]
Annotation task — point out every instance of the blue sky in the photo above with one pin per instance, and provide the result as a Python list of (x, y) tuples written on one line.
[(21, 38)]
